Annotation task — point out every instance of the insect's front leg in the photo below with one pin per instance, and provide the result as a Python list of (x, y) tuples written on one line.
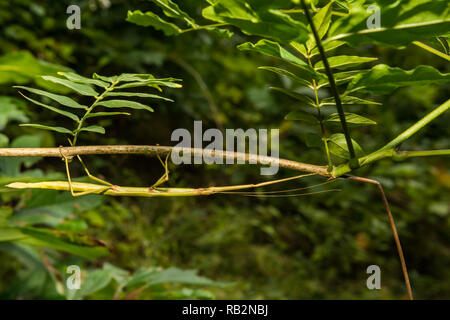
[(69, 179)]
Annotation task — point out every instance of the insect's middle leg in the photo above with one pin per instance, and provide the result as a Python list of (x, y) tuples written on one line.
[(90, 176), (165, 176)]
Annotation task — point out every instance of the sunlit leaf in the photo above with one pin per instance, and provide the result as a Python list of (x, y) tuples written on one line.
[(151, 19), (124, 104), (136, 94), (304, 78), (106, 114), (352, 120), (96, 129), (257, 18), (82, 89), (63, 100), (343, 62), (80, 79), (385, 79), (39, 126), (172, 10), (401, 22), (338, 146), (349, 100), (56, 110), (273, 49), (322, 20)]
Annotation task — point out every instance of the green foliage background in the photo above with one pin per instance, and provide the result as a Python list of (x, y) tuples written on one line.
[(289, 248)]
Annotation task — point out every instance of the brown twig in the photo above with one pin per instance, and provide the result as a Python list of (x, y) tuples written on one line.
[(153, 151)]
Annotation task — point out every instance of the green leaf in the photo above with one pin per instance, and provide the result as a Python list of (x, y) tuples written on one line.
[(328, 46), (63, 100), (39, 126), (151, 277), (124, 104), (401, 22), (338, 146), (129, 77), (80, 79), (150, 83), (305, 79), (343, 62), (151, 19), (313, 140), (73, 243), (94, 281), (96, 129), (61, 112), (349, 100), (340, 78), (11, 167), (298, 96), (352, 120), (82, 89), (10, 111), (4, 141), (175, 275), (272, 49), (106, 114), (259, 17), (8, 234), (384, 79), (104, 78), (136, 94), (54, 209), (172, 10), (300, 47), (21, 67), (303, 116), (322, 20)]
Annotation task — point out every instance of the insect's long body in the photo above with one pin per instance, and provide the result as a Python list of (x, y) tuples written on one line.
[(113, 190)]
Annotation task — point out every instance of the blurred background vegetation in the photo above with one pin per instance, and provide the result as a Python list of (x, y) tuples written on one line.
[(315, 247)]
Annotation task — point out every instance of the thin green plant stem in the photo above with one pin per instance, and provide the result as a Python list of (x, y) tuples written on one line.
[(322, 129), (389, 149), (412, 130), (432, 50), (333, 87), (402, 155), (93, 105)]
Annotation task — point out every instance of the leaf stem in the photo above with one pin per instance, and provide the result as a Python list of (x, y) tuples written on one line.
[(322, 128), (89, 110), (353, 160), (389, 149), (432, 50)]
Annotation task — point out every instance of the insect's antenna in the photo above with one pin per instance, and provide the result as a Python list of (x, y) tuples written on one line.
[(280, 191), (255, 194)]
